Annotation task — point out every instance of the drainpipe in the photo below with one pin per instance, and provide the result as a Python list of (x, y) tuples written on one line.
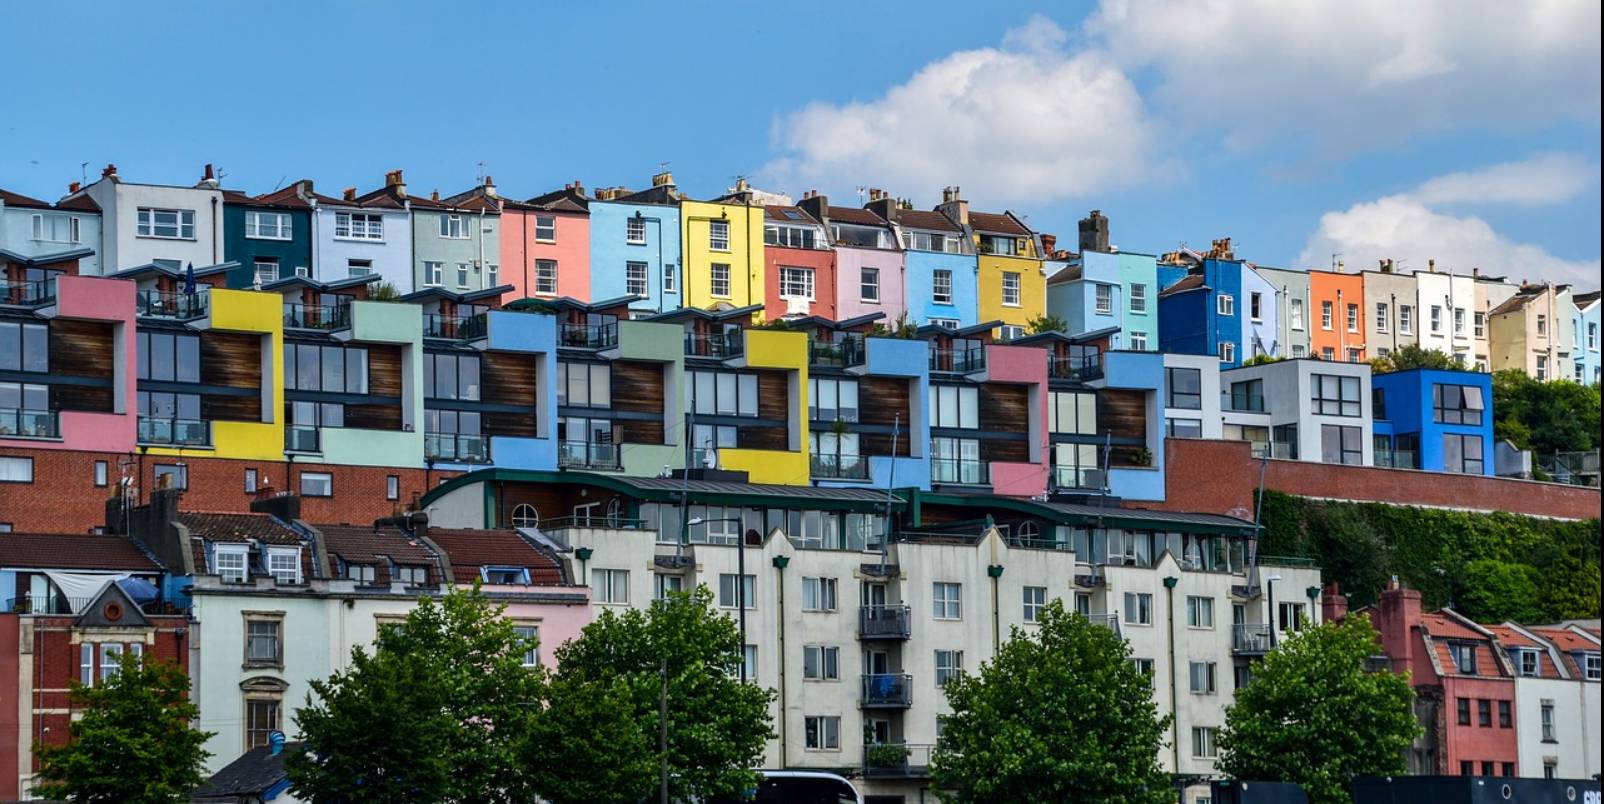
[(779, 576), (1175, 720), (484, 268), (995, 571), (215, 260), (523, 247)]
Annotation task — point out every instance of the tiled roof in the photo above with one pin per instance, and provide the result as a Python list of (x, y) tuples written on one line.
[(999, 224), (784, 214), (72, 552), (11, 199), (1445, 629), (1513, 303), (1509, 639), (1188, 282), (289, 198), (1584, 299), (475, 200), (469, 550), (80, 202), (250, 776), (356, 544), (1568, 642), (855, 216), (221, 527), (568, 199), (920, 219)]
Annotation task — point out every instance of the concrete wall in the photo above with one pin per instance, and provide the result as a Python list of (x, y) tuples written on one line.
[(1575, 749)]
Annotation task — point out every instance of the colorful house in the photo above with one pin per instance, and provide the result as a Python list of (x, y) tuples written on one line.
[(1447, 303), (942, 272), (635, 245), (722, 251), (269, 235), (1530, 331), (1491, 291), (1204, 312), (1392, 318), (1289, 290), (1011, 278), (1585, 337), (1096, 291), (547, 244), (1436, 420), (145, 223), (456, 243), (870, 270), (799, 270), (1338, 302), (366, 235), (36, 236)]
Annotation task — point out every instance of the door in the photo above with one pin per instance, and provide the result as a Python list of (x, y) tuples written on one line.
[(877, 663), (874, 594), (587, 513)]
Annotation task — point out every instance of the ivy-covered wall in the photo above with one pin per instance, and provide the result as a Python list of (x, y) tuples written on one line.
[(1491, 567)]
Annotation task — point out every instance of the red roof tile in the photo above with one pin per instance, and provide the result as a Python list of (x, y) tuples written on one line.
[(355, 544), (1510, 639), (469, 550), (66, 551), (80, 202), (11, 199), (221, 527), (999, 224)]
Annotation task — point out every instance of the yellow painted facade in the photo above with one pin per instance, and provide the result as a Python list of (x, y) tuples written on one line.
[(777, 349), (743, 256), (261, 313), (1032, 289)]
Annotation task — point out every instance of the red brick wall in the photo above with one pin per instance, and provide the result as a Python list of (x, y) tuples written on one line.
[(1222, 477), (63, 497)]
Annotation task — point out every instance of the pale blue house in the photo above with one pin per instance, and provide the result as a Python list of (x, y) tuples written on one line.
[(1098, 291), (1585, 344), (630, 230), (38, 233)]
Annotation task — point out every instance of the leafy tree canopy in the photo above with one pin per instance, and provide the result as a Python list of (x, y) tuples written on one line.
[(136, 741), (1046, 323), (1061, 714), (1546, 417), (1313, 715), (1413, 356)]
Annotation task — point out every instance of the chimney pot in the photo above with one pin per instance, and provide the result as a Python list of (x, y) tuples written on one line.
[(434, 195), (207, 174), (1431, 265), (109, 172), (348, 193), (72, 188)]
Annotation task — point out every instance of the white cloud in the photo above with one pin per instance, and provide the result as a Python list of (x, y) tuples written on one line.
[(1026, 122), (1354, 73), (1542, 179)]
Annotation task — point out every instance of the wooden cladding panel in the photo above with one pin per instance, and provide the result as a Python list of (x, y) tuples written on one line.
[(521, 425), (1122, 414), (384, 369), (882, 400), (82, 348), (634, 432), (771, 438), (373, 417), (1005, 408), (1009, 451), (231, 408), (638, 388), (875, 444), (77, 397), (232, 360), (507, 378), (773, 396)]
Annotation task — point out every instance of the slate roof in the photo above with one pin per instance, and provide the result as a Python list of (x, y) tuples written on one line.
[(1584, 299), (1185, 283), (224, 527), (568, 199), (19, 200), (469, 550), (855, 216), (998, 224), (80, 202), (252, 774), (378, 546), (475, 200), (791, 214), (73, 552), (920, 219), (1513, 303)]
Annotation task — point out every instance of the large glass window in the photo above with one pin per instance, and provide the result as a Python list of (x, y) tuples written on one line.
[(168, 356), (451, 376), (1341, 444), (831, 400), (358, 226), (1335, 395), (172, 224), (954, 406), (941, 286), (1185, 386), (1072, 413), (1462, 454), (1248, 396), (262, 225), (1457, 404), (722, 393), (24, 347), (333, 369), (584, 384)]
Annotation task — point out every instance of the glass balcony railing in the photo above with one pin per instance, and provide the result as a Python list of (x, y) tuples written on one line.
[(1397, 459), (317, 316), (27, 293), (178, 305), (455, 327), (966, 473), (840, 467), (958, 361), (1077, 477), (840, 354), (1083, 368), (587, 455), (174, 432), (887, 691), (457, 447), (1250, 639), (19, 423), (722, 345), (588, 336), (301, 438), (897, 760), (884, 622), (1106, 620)]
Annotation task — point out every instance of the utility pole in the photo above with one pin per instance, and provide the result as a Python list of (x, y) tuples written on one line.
[(662, 729)]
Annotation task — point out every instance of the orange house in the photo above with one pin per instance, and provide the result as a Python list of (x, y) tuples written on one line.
[(1336, 310)]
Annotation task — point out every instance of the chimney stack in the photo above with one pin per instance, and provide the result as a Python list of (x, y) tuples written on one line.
[(208, 177), (1333, 604), (490, 186), (663, 179), (1431, 265), (953, 205), (1047, 243), (72, 188), (434, 195), (816, 205), (348, 194), (393, 179), (881, 203), (1475, 271), (109, 172), (1094, 232)]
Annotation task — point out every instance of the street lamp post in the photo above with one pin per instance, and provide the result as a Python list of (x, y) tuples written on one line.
[(1269, 588), (740, 580)]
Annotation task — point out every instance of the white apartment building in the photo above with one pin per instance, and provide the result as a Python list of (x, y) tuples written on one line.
[(148, 223), (1310, 410), (1557, 714), (1191, 396)]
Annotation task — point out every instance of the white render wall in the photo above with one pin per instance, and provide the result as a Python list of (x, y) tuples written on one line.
[(16, 234), (1288, 399), (1209, 370), (1576, 726), (391, 257), (123, 247)]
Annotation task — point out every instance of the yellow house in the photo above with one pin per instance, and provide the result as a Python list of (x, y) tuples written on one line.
[(788, 351), (1012, 280), (722, 252)]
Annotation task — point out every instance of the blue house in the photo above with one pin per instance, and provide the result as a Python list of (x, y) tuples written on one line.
[(1221, 307), (641, 227), (1434, 419), (269, 236), (1585, 343)]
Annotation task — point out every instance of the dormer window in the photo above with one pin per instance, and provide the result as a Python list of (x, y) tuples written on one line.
[(1590, 666), (284, 564), (232, 562), (505, 576), (1464, 656), (363, 574), (411, 574)]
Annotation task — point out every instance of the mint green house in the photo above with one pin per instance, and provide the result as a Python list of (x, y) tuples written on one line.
[(456, 243)]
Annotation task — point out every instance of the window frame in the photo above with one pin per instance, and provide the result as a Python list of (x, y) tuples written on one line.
[(301, 484), (147, 226), (718, 236), (869, 285), (946, 601), (1012, 285), (283, 228)]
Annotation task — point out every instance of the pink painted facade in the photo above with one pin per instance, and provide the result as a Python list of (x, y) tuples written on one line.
[(1022, 365), (91, 298), (521, 248), (558, 621), (891, 269)]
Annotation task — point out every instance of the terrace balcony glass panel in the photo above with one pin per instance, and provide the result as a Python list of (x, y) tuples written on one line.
[(456, 447), (840, 467), (27, 293), (455, 327), (958, 361), (174, 305), (896, 760), (588, 336), (960, 472), (587, 455), (1082, 368), (1250, 639), (325, 317), (301, 438), (721, 345), (20, 423), (840, 354), (174, 432)]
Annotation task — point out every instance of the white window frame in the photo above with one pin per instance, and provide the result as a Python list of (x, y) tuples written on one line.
[(529, 633), (545, 228), (182, 225), (718, 236), (1353, 318), (821, 732), (947, 600), (1011, 288), (434, 273), (821, 663), (1139, 341), (1138, 297), (464, 271), (453, 227), (86, 663), (546, 277), (282, 228), (359, 226), (610, 586), (281, 572), (1203, 742), (718, 280), (1295, 312), (1138, 609), (1200, 612), (260, 263), (1382, 323), (47, 234), (637, 278), (869, 285), (1227, 352), (1103, 299), (670, 279), (949, 664), (1202, 678), (1436, 320), (1328, 315), (941, 286), (1033, 599), (300, 484), (820, 594), (1225, 304), (634, 231), (796, 282), (229, 572), (1406, 319), (728, 597)]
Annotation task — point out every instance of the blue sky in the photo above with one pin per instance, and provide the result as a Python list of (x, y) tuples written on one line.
[(1297, 129)]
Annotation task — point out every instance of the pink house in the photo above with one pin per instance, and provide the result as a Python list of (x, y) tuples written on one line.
[(77, 334), (869, 267), (545, 244), (1024, 368)]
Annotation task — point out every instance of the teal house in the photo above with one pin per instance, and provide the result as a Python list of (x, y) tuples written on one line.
[(268, 236)]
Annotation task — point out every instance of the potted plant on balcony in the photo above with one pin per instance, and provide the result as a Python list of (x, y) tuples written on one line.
[(883, 756)]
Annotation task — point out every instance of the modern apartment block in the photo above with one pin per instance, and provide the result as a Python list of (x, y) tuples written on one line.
[(1309, 410), (1439, 421)]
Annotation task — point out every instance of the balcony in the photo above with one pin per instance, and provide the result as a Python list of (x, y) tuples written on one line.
[(588, 336), (1104, 620), (1081, 368), (1077, 478), (722, 345), (27, 293), (19, 423), (884, 622), (896, 760), (323, 317), (1250, 639), (958, 361), (959, 472), (454, 327), (841, 354), (175, 306), (840, 467), (1397, 459), (301, 438), (174, 432), (887, 691), (587, 455), (456, 447)]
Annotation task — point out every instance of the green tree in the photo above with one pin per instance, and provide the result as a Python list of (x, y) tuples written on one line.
[(1046, 323), (136, 741), (384, 292), (1352, 552), (1314, 716), (1494, 591), (590, 744), (1545, 417), (439, 711), (1060, 714), (717, 726), (1413, 356), (1261, 359)]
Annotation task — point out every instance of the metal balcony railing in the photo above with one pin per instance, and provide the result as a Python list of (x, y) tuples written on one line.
[(588, 336), (1077, 478), (960, 472), (1250, 639), (178, 305), (840, 467), (174, 432), (1106, 620), (840, 354), (896, 760), (722, 345), (61, 604), (27, 293), (455, 327), (884, 622), (301, 438), (1075, 367), (458, 447), (887, 691), (958, 361), (317, 316), (21, 423), (587, 455)]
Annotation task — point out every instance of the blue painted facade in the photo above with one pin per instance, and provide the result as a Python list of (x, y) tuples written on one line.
[(900, 357), (1585, 363), (610, 251), (965, 306), (1407, 409), (534, 333), (1190, 321), (1260, 333), (1138, 278), (1142, 371), (1075, 300)]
